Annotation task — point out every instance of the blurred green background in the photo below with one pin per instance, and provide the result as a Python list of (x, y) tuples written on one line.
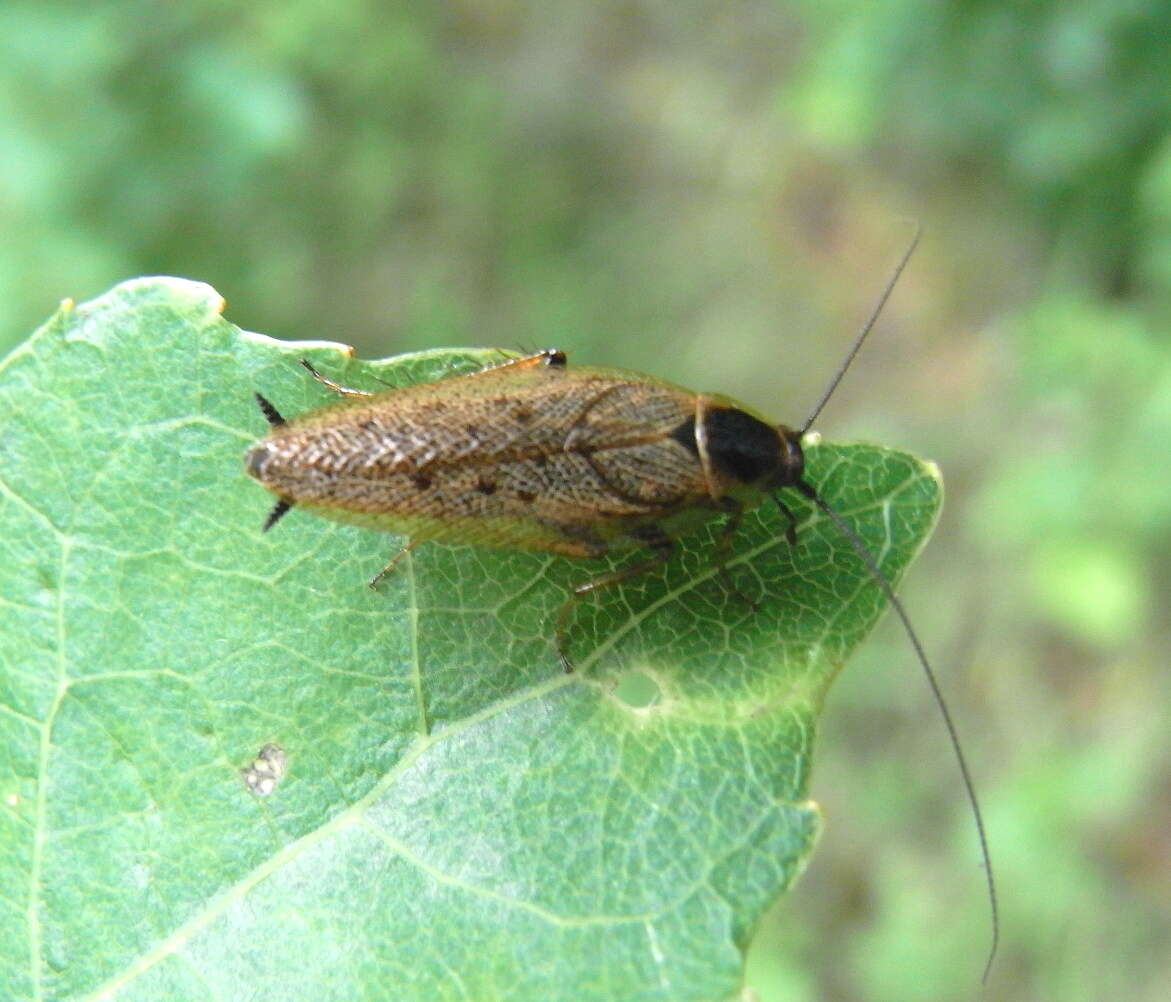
[(716, 193)]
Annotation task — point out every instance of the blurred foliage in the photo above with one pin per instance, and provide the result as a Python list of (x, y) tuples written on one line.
[(715, 192)]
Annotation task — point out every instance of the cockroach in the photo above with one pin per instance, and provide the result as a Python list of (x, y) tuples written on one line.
[(533, 454)]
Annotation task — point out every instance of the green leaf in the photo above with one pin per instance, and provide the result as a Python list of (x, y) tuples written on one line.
[(457, 818)]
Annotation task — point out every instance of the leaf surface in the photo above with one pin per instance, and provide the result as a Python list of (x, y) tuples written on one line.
[(456, 819)]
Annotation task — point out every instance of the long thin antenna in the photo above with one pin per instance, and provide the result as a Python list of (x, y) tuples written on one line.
[(866, 327), (872, 566)]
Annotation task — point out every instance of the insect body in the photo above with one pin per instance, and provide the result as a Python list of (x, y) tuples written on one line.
[(534, 455), (531, 454)]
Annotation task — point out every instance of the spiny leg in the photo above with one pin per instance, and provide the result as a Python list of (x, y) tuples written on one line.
[(411, 544), (554, 358), (791, 528), (661, 546), (345, 391), (735, 512)]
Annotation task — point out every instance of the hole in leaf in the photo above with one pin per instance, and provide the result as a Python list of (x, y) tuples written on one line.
[(266, 770), (637, 690)]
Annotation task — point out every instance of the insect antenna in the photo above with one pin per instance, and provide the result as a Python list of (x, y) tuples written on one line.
[(871, 564), (872, 568), (866, 328)]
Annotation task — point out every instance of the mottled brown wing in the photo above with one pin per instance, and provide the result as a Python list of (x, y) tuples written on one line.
[(507, 457)]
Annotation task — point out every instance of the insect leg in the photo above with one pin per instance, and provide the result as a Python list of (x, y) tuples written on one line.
[(791, 528), (345, 391), (554, 358), (411, 544), (735, 512), (661, 546)]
